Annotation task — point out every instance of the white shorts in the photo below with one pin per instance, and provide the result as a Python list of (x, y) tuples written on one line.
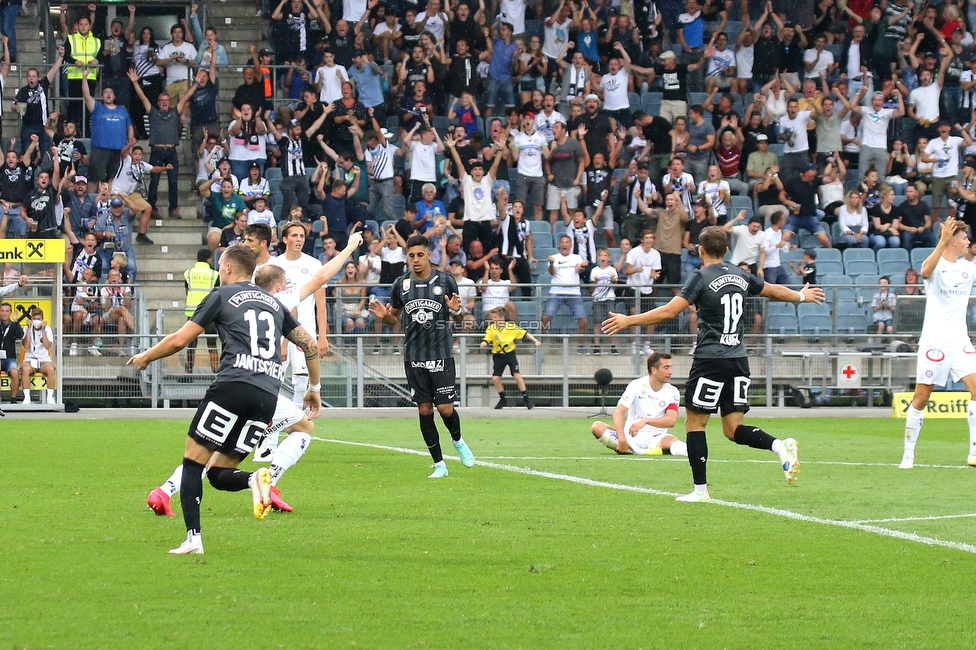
[(934, 365), (643, 441), (299, 364), (36, 361), (286, 414), (553, 198)]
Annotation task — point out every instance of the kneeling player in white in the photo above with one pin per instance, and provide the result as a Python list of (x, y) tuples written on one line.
[(944, 347), (650, 406), (288, 417)]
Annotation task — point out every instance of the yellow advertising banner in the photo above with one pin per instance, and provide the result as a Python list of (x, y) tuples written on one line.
[(22, 306), (941, 405), (32, 251), (38, 382)]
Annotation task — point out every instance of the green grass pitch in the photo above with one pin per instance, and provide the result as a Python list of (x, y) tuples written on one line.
[(570, 555)]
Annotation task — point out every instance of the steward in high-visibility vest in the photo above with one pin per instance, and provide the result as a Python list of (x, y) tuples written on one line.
[(82, 48), (200, 280)]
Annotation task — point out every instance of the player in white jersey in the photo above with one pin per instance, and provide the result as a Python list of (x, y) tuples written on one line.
[(650, 406), (288, 417), (944, 347), (312, 315)]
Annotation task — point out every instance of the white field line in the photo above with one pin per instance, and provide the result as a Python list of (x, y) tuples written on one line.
[(779, 512), (897, 519), (658, 459)]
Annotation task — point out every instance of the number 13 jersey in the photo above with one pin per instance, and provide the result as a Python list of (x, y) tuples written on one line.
[(250, 324), (719, 291)]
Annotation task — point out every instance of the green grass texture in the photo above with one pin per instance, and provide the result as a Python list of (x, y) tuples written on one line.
[(551, 542)]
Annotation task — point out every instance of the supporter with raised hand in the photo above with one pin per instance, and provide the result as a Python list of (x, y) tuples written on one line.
[(31, 101), (208, 48), (246, 133), (111, 130)]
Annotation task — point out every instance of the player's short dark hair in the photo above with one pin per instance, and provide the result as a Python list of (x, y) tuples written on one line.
[(241, 258), (268, 276), (655, 360), (260, 231), (203, 254), (714, 241), (418, 240), (775, 218)]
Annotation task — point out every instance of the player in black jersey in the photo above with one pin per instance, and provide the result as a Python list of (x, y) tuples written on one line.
[(239, 405), (427, 299), (719, 377)]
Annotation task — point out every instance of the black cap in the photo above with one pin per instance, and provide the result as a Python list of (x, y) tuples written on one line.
[(265, 52), (117, 20), (811, 253), (255, 165)]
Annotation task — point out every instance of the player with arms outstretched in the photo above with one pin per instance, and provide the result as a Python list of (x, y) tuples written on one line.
[(427, 300), (239, 405), (944, 347), (719, 377), (645, 412)]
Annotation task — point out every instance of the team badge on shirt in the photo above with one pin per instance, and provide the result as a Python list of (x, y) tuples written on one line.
[(438, 291), (406, 285)]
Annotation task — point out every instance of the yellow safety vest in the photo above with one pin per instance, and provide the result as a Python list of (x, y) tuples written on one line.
[(85, 50), (200, 280)]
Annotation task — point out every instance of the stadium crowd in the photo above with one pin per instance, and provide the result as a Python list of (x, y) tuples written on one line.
[(599, 137)]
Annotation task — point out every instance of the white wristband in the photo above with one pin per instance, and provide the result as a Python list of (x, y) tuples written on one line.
[(315, 388), (803, 298)]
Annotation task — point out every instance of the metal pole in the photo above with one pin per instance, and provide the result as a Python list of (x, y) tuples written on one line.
[(349, 383), (360, 371), (464, 371), (565, 338), (59, 319), (154, 369), (769, 370)]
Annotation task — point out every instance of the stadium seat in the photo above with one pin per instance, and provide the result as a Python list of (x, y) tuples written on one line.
[(526, 310), (541, 240), (781, 309), (791, 256), (635, 101), (852, 324), (806, 310), (856, 268), (837, 287), (890, 254), (540, 227), (918, 256), (272, 173), (899, 199), (399, 204), (374, 224), (741, 203), (614, 255), (829, 255), (858, 254), (698, 98), (894, 269), (776, 148), (866, 286), (816, 325), (782, 324), (543, 253), (829, 267), (808, 240)]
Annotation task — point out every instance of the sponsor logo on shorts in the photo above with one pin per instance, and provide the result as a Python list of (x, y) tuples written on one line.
[(929, 374), (935, 355), (437, 365)]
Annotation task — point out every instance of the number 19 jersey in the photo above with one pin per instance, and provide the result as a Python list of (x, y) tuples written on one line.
[(719, 291), (250, 324)]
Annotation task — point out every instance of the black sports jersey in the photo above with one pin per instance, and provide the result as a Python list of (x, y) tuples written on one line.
[(719, 291), (425, 315), (16, 182), (250, 324), (39, 206)]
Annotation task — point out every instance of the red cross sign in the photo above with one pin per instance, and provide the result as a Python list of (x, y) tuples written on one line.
[(849, 371)]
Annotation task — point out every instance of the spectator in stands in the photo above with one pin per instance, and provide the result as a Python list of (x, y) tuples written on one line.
[(70, 150), (201, 97), (31, 101), (117, 310), (131, 182), (853, 222), (642, 267), (564, 168), (251, 92), (116, 58), (82, 215), (380, 154), (10, 333), (350, 295), (468, 292), (680, 181), (943, 151), (254, 185), (113, 230), (495, 290), (923, 102), (247, 133), (718, 192), (914, 221), (883, 307), (85, 255), (234, 233), (294, 184), (760, 162), (210, 53), (423, 167), (367, 76), (638, 188), (913, 284), (334, 215), (793, 132), (81, 50), (749, 240), (701, 141), (501, 51), (883, 215), (773, 244), (176, 56), (564, 290), (16, 181), (800, 196), (669, 228), (224, 208), (38, 341), (111, 131), (84, 313)]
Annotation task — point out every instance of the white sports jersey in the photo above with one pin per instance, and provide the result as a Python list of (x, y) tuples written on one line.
[(530, 153), (35, 344), (297, 273), (946, 298), (495, 294), (642, 401)]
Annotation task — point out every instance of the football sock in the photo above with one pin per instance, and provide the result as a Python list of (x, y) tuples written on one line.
[(453, 423), (608, 440), (525, 395), (287, 454), (192, 494), (678, 448), (429, 431), (172, 484), (228, 479), (971, 418), (913, 426), (777, 446), (300, 384), (501, 394), (698, 457), (27, 393), (50, 393), (752, 437)]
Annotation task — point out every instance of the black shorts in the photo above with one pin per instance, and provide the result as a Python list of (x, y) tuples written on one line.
[(670, 269), (431, 382), (232, 418), (502, 361), (715, 384)]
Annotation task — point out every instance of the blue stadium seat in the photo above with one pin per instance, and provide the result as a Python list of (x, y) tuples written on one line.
[(859, 254), (781, 309), (782, 324), (894, 269), (791, 256), (741, 203), (857, 268), (809, 309), (540, 227), (837, 287), (399, 202), (829, 254), (374, 224), (614, 255), (816, 325), (272, 173), (541, 240), (526, 309), (892, 254), (635, 101), (852, 324), (542, 254), (808, 240), (776, 148), (829, 267), (698, 98), (899, 199), (918, 256)]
